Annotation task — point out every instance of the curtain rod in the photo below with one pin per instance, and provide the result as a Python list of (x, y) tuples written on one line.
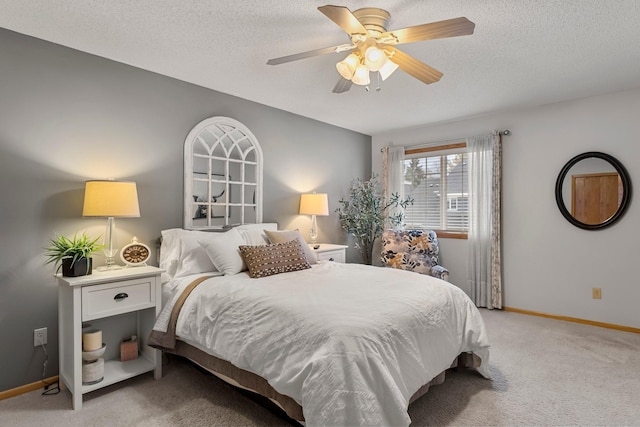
[(505, 132)]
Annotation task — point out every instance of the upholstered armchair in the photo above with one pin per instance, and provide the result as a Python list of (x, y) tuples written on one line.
[(413, 250)]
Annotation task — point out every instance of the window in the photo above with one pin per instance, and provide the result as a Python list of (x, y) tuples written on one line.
[(437, 180)]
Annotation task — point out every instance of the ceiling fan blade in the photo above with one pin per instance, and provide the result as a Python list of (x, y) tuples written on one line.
[(343, 85), (412, 66), (434, 30), (344, 18), (309, 54)]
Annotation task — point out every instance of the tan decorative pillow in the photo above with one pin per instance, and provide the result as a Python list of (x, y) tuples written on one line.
[(288, 235), (267, 260)]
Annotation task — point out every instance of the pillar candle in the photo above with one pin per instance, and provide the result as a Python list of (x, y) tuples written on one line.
[(92, 340)]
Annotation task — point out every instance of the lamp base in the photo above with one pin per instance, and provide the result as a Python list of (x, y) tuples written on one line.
[(314, 230), (109, 261)]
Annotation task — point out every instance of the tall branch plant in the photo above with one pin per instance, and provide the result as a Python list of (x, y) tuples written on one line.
[(365, 211)]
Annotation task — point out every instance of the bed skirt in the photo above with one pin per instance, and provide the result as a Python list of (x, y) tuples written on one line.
[(256, 384)]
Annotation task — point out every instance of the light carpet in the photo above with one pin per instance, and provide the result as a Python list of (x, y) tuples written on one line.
[(545, 373)]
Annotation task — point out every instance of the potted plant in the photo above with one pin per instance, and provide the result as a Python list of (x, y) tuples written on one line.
[(364, 213), (73, 256)]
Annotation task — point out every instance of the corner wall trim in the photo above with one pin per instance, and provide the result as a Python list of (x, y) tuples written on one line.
[(27, 388), (574, 319)]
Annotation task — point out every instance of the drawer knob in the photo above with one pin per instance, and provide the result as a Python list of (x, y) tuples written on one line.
[(121, 296)]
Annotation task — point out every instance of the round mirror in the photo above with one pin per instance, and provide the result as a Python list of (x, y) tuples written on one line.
[(593, 190)]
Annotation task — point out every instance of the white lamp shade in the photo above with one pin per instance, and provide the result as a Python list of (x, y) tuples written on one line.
[(347, 66), (374, 58), (361, 76), (314, 204), (387, 69), (111, 199)]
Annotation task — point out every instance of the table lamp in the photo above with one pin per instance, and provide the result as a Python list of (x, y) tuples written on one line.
[(314, 204), (110, 199)]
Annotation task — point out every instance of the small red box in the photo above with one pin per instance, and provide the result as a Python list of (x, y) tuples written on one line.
[(128, 350)]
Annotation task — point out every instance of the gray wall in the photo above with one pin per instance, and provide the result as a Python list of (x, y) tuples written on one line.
[(66, 116), (550, 266)]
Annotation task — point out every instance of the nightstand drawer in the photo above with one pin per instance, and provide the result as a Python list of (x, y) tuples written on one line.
[(337, 255), (116, 298)]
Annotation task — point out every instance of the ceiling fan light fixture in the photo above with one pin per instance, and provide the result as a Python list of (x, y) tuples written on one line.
[(361, 76), (347, 67), (373, 46), (374, 58), (387, 69)]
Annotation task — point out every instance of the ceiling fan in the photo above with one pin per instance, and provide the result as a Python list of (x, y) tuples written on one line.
[(373, 47)]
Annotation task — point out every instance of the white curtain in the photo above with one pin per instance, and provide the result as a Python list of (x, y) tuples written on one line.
[(485, 263), (393, 173)]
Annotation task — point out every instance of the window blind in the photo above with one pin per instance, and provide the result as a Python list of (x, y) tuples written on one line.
[(439, 186)]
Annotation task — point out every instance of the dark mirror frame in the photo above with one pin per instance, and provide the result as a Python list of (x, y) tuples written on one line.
[(626, 187)]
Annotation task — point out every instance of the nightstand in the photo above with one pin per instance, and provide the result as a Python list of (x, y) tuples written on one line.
[(329, 252), (120, 303)]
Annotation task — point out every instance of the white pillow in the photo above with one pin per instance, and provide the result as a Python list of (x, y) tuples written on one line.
[(222, 249), (169, 253), (192, 258), (253, 234), (288, 235)]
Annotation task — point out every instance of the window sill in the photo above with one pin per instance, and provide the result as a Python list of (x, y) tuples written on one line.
[(451, 234)]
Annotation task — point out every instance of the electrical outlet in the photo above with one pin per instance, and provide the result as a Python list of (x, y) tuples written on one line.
[(39, 337), (597, 293)]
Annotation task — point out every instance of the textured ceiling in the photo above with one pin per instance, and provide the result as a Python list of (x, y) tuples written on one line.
[(523, 52)]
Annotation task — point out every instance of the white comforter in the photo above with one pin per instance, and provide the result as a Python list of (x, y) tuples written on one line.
[(350, 343)]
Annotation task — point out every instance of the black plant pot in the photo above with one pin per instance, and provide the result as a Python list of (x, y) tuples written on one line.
[(82, 267)]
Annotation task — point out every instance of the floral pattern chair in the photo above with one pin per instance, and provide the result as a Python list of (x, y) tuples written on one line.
[(412, 250)]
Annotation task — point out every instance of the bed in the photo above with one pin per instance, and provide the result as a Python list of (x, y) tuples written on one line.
[(330, 343)]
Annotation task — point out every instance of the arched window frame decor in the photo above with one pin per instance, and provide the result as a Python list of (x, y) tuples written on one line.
[(228, 148)]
